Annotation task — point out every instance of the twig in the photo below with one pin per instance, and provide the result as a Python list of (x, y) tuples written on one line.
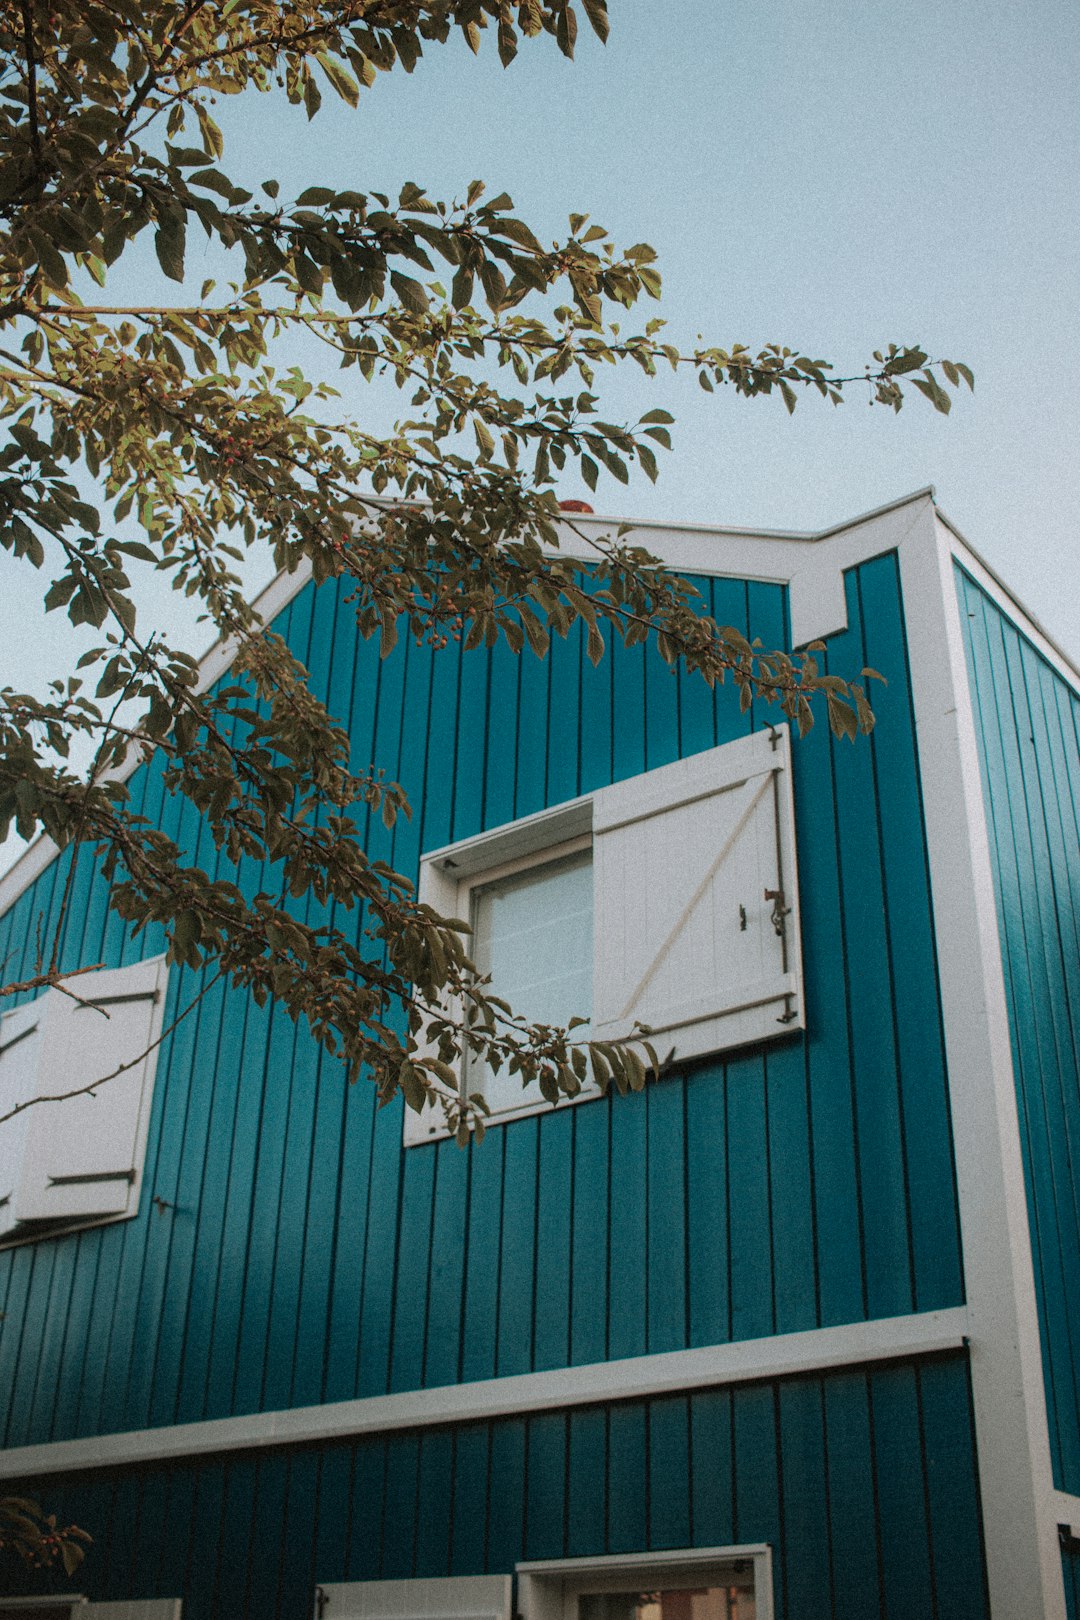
[(48, 980), (91, 1089)]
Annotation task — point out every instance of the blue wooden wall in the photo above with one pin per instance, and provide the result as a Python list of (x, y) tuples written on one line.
[(863, 1483), (1027, 721), (1070, 1566), (304, 1257)]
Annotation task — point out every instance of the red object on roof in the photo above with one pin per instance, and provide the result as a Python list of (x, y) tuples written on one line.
[(574, 506)]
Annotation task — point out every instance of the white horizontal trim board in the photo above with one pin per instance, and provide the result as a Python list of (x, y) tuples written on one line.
[(818, 1350)]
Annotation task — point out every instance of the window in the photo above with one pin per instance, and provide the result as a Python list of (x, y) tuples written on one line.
[(716, 1583), (80, 1159), (669, 900), (533, 933)]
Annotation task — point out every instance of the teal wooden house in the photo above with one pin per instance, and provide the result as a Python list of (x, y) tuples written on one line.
[(792, 1334)]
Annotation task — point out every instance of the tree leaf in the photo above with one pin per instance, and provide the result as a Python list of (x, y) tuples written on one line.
[(410, 292), (340, 77), (596, 11), (169, 247)]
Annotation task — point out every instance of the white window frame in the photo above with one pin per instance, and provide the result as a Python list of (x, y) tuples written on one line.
[(548, 1589), (449, 875), (91, 985)]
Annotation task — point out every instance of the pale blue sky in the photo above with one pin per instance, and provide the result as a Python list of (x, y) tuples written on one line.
[(833, 176)]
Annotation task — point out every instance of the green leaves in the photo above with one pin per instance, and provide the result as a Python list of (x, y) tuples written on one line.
[(203, 444), (596, 11), (928, 385), (410, 292), (37, 1538), (169, 241), (340, 78)]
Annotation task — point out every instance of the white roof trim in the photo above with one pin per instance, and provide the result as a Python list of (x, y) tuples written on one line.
[(811, 565), (271, 601), (986, 576)]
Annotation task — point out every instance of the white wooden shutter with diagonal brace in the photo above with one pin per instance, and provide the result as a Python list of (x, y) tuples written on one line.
[(696, 900), (451, 1597), (82, 1157), (20, 1051)]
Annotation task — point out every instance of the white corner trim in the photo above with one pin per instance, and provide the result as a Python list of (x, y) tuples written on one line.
[(1015, 1477), (818, 1350)]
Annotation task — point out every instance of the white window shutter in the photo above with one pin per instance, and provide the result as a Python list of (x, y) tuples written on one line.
[(82, 1157), (454, 1597), (697, 927), (137, 1609), (20, 1050)]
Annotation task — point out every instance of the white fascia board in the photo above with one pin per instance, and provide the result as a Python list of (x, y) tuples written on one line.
[(677, 1371), (1015, 1475), (271, 601), (1010, 604), (812, 566)]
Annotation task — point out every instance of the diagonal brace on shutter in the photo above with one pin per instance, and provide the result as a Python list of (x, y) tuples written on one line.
[(118, 1001), (698, 894), (90, 1176), (15, 1039)]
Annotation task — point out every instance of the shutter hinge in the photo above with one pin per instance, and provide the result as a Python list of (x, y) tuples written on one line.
[(322, 1598), (93, 1175), (779, 910), (790, 1013)]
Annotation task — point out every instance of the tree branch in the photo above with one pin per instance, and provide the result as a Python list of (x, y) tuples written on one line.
[(91, 1089), (31, 79)]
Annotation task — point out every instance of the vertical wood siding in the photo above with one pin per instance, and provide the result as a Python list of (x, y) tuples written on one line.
[(304, 1257), (1070, 1566), (863, 1482), (1028, 723)]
